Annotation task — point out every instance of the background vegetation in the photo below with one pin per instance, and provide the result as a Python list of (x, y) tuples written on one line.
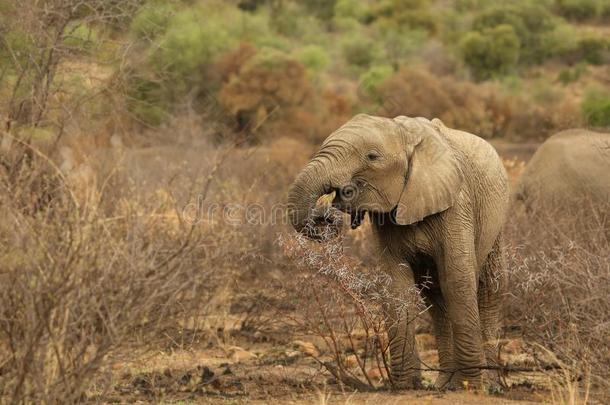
[(123, 122)]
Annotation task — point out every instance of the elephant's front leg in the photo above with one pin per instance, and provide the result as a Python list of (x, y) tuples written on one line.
[(405, 368), (458, 281)]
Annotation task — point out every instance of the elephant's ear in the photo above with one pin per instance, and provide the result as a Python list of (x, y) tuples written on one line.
[(434, 176)]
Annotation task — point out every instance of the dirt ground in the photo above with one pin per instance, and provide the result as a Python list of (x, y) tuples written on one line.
[(270, 368)]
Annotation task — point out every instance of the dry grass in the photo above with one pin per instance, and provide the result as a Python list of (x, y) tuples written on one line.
[(80, 284), (559, 277)]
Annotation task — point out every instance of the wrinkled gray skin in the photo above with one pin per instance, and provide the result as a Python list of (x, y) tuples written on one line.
[(437, 199), (568, 171)]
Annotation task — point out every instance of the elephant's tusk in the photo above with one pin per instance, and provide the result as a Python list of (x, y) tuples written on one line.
[(326, 199)]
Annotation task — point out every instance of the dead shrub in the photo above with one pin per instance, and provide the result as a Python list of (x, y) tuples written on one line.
[(559, 283), (483, 109), (80, 285), (343, 305), (479, 109)]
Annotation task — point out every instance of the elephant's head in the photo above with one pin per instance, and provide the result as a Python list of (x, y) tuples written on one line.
[(403, 166)]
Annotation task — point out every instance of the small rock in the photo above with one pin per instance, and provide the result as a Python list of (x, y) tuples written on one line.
[(306, 348), (238, 354)]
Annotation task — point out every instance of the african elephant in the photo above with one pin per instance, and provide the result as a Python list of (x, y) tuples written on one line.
[(437, 200), (569, 170)]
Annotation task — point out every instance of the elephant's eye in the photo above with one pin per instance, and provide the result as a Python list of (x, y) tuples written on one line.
[(372, 156)]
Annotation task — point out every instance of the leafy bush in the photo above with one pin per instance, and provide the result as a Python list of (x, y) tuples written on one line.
[(593, 49), (398, 15), (313, 57), (152, 20), (370, 81), (491, 52), (578, 10), (191, 41), (148, 100), (323, 9), (399, 45), (354, 9), (80, 37), (596, 108), (359, 50), (531, 23), (570, 75)]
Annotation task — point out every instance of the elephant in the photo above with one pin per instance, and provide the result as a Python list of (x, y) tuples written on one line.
[(569, 171), (437, 199)]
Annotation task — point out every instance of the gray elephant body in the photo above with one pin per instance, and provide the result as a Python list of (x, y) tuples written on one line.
[(569, 170), (437, 198)]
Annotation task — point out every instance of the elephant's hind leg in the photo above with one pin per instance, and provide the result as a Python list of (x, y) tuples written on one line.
[(491, 287)]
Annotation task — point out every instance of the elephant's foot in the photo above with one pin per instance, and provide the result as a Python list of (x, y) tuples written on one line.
[(446, 381), (410, 381), (468, 381), (492, 382)]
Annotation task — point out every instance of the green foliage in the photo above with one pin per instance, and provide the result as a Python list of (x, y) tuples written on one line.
[(491, 52), (531, 22), (400, 45), (359, 50), (148, 100), (152, 19), (593, 49), (80, 37), (323, 9), (570, 75), (354, 9), (313, 57), (370, 80), (400, 15), (596, 108), (191, 41), (578, 10)]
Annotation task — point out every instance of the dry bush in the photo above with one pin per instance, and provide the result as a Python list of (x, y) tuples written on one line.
[(80, 285), (343, 305), (483, 109), (559, 283), (476, 108)]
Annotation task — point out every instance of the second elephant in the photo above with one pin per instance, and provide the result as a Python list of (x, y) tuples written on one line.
[(437, 199)]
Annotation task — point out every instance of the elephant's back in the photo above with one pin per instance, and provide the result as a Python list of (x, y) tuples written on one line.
[(570, 165)]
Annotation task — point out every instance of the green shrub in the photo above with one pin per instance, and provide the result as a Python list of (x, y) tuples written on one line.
[(370, 80), (596, 108), (354, 9), (570, 75), (152, 20), (399, 45), (313, 57), (147, 100), (401, 15), (323, 9), (578, 10), (80, 37), (531, 22), (191, 41), (359, 50), (593, 49), (491, 52)]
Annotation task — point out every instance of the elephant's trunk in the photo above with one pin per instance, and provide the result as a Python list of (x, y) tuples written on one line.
[(309, 185)]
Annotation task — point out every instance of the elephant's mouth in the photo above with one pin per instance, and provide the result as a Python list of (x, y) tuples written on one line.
[(336, 200)]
